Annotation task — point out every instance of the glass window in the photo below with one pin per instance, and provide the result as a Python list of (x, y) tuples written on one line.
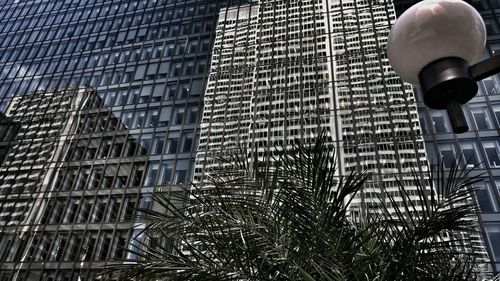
[(158, 91), (164, 116), (113, 208), (109, 176), (123, 174), (145, 53), (481, 117), (423, 123), (202, 66), (181, 171), (157, 51), (134, 95), (493, 233), (152, 70), (141, 34), (137, 174), (496, 111), (193, 115), (486, 198), (168, 50), (491, 85), (162, 71), (134, 244), (139, 118), (58, 246), (171, 91), (127, 77), (205, 45), (103, 246), (166, 172), (121, 98), (176, 69), (131, 146), (106, 77), (145, 144), (178, 115), (158, 145), (187, 142), (173, 31), (117, 248), (492, 151), (151, 118), (180, 48), (184, 90), (440, 121), (151, 174), (140, 72), (491, 26), (127, 119), (109, 99), (197, 87), (193, 47), (172, 145), (470, 153), (146, 93), (447, 151), (189, 68), (131, 35)]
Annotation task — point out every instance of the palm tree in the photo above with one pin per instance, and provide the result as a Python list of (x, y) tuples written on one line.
[(290, 219)]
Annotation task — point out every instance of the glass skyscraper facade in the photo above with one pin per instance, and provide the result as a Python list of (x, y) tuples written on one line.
[(480, 146), (100, 102), (104, 102)]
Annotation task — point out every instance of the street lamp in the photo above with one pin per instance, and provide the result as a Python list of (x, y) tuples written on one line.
[(436, 44)]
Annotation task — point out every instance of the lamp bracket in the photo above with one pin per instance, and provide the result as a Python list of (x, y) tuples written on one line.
[(447, 84), (485, 68)]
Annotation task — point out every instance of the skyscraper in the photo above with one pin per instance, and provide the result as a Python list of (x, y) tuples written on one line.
[(481, 145), (100, 102), (284, 70)]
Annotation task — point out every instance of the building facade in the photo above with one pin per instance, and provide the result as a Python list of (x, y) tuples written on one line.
[(480, 146), (285, 70), (101, 102)]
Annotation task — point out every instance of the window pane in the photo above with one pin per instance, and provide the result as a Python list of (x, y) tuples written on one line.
[(440, 122), (447, 154), (481, 118), (493, 233), (492, 151), (485, 198)]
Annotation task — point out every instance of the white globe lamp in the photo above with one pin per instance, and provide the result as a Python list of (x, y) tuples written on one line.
[(433, 44)]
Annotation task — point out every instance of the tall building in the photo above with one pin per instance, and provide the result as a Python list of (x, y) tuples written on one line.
[(284, 70), (480, 146), (101, 102)]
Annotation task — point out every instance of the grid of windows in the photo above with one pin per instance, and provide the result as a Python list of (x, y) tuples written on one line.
[(283, 70), (100, 103)]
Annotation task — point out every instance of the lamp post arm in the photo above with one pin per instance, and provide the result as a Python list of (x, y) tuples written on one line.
[(485, 68)]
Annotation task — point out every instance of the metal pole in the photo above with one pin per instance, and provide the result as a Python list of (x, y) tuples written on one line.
[(457, 117)]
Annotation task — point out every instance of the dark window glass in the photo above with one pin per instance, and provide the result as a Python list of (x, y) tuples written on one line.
[(447, 154), (493, 233)]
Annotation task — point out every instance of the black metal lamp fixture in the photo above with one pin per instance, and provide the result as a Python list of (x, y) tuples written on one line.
[(436, 44)]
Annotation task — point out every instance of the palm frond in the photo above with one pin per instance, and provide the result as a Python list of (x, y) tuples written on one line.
[(289, 219)]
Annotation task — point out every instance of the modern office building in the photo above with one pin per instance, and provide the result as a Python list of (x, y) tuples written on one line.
[(481, 145), (101, 102), (284, 70)]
